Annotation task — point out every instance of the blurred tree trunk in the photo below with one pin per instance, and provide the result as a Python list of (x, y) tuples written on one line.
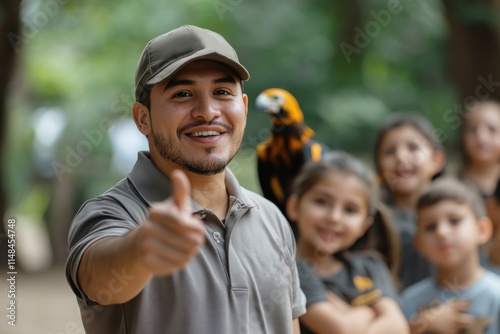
[(9, 25), (474, 46)]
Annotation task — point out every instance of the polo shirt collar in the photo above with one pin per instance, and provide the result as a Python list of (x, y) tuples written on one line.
[(154, 186), (234, 189)]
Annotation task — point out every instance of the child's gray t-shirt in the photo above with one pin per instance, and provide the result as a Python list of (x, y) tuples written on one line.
[(484, 296), (413, 267)]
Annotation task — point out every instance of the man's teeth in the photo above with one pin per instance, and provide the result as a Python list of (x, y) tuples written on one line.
[(204, 133)]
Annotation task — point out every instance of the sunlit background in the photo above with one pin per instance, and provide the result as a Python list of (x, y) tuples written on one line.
[(66, 117)]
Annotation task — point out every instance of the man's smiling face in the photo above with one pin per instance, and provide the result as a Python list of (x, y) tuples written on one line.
[(198, 118)]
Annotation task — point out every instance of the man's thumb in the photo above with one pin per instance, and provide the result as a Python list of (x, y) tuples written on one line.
[(181, 190)]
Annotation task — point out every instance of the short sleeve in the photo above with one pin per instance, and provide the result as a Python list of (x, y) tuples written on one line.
[(311, 284), (97, 218), (299, 300)]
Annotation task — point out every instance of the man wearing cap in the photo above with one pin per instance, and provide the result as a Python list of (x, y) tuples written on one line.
[(178, 246)]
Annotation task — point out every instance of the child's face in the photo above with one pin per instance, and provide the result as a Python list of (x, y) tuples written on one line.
[(449, 234), (407, 160), (482, 134), (331, 215)]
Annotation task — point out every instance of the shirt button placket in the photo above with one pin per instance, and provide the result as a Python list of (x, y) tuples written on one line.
[(217, 236)]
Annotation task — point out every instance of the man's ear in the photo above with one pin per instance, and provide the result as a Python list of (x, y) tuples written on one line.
[(291, 207), (245, 102), (485, 230), (142, 118)]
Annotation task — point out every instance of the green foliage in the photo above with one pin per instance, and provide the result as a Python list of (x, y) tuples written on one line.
[(82, 60)]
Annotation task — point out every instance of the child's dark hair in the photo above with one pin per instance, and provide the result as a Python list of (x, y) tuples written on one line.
[(381, 236), (314, 172), (418, 122), (467, 110), (452, 189)]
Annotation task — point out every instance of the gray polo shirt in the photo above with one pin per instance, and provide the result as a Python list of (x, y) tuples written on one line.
[(244, 279)]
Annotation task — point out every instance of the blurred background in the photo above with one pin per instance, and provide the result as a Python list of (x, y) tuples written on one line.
[(66, 91)]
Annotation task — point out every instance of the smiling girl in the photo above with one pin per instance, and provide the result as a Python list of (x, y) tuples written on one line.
[(333, 203), (480, 146), (408, 156)]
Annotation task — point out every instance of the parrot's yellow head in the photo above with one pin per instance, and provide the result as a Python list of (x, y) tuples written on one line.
[(282, 106)]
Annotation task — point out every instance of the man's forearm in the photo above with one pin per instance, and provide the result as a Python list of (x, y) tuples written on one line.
[(110, 272)]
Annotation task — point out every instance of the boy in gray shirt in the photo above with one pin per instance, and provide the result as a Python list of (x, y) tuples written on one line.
[(462, 297)]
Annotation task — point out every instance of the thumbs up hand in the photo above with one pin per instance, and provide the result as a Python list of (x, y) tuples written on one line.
[(171, 236)]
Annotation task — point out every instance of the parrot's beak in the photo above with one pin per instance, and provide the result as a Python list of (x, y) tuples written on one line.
[(264, 103)]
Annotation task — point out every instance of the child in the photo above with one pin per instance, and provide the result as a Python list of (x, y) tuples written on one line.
[(490, 257), (408, 155), (333, 202), (462, 297), (480, 146)]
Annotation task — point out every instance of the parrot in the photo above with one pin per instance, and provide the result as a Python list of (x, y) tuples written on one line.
[(290, 144)]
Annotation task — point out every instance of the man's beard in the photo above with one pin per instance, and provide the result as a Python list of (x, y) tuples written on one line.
[(169, 152)]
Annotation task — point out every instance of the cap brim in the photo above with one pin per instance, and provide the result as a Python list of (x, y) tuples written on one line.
[(174, 67)]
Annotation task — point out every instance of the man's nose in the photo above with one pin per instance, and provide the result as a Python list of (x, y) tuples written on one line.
[(206, 108)]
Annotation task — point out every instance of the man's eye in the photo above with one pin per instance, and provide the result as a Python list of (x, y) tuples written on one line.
[(182, 94), (222, 92), (455, 220)]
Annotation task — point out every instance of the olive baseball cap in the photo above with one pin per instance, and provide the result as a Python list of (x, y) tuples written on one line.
[(164, 55)]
